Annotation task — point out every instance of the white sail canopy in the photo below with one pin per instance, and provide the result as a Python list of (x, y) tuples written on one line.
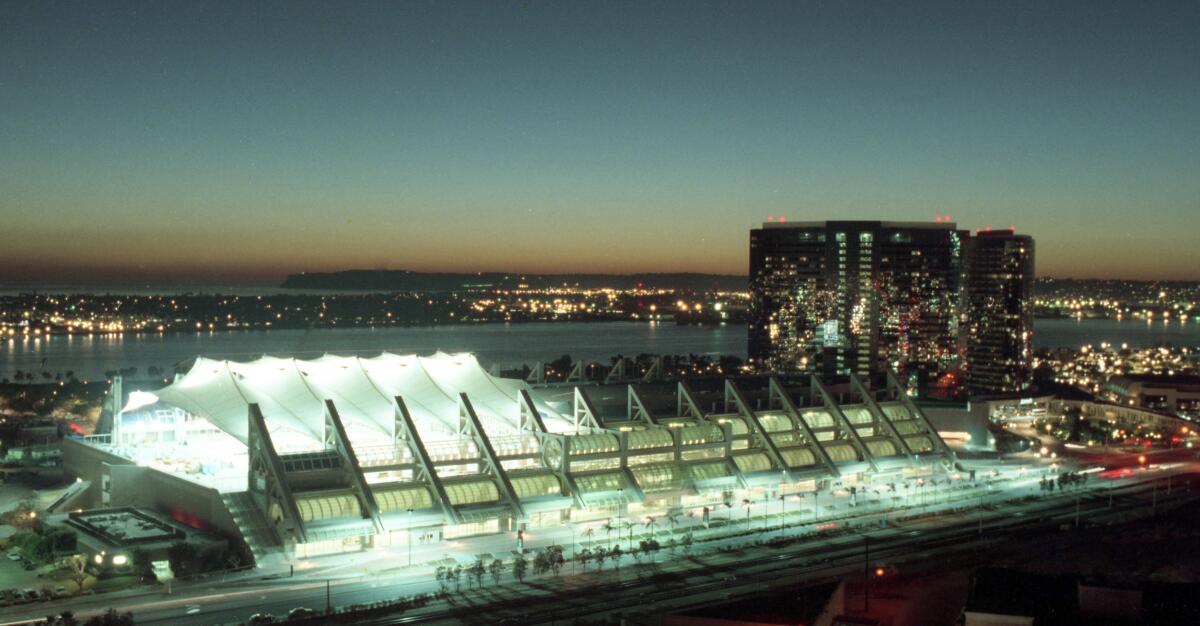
[(291, 394)]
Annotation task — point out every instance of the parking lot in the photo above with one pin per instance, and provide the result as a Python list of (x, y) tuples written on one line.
[(16, 582)]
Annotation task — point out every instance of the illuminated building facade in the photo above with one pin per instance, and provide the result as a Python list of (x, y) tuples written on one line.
[(998, 316), (336, 454), (858, 297)]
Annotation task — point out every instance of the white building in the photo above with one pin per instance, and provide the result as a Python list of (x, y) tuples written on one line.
[(345, 453)]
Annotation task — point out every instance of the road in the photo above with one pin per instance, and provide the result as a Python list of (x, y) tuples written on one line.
[(900, 540)]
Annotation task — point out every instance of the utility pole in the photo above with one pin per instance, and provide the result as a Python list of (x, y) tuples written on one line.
[(328, 606), (981, 494), (1077, 510), (866, 573)]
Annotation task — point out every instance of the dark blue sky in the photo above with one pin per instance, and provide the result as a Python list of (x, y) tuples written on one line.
[(243, 140)]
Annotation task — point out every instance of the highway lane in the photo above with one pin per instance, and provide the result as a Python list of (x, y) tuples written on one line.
[(235, 602), (754, 567)]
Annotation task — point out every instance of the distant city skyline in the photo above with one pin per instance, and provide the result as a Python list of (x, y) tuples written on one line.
[(240, 142)]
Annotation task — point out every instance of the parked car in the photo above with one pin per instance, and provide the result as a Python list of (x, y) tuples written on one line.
[(14, 556), (30, 594), (301, 613), (261, 618)]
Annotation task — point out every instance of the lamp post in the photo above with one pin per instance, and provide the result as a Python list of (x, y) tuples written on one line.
[(620, 505), (410, 534)]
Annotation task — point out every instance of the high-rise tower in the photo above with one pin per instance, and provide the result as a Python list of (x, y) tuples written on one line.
[(998, 316), (856, 297)]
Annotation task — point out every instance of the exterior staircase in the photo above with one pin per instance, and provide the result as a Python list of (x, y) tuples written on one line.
[(259, 535)]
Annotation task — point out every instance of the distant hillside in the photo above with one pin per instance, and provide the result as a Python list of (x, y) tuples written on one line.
[(403, 280)]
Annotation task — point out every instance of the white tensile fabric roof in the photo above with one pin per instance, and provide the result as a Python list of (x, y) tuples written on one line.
[(291, 395)]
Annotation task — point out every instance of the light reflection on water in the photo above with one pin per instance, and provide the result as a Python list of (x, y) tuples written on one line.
[(506, 344)]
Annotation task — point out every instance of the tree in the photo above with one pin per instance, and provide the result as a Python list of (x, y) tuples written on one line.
[(183, 558), (589, 532), (584, 556), (441, 575), (60, 539), (476, 571), (615, 555), (600, 555), (77, 570), (496, 568), (111, 618), (555, 556), (519, 565), (541, 563), (456, 577)]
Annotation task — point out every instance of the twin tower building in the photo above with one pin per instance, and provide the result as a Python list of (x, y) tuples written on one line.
[(949, 311)]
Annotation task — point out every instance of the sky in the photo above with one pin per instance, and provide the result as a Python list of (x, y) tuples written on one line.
[(242, 141)]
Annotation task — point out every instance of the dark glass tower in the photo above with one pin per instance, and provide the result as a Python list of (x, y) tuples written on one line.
[(999, 312), (861, 297)]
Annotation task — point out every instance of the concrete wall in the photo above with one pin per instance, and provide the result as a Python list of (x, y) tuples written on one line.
[(92, 464), (182, 500)]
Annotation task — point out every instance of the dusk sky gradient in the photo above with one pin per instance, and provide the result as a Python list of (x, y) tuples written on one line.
[(241, 141)]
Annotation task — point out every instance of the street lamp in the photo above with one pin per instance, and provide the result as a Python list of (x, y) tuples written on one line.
[(620, 505), (410, 534)]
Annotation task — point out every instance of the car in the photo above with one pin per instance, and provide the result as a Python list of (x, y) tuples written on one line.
[(30, 594), (14, 556), (260, 618), (301, 613), (192, 609)]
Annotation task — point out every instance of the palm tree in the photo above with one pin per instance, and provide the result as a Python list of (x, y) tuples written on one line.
[(440, 574), (651, 524), (496, 568), (608, 529), (747, 503), (627, 525), (589, 532)]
